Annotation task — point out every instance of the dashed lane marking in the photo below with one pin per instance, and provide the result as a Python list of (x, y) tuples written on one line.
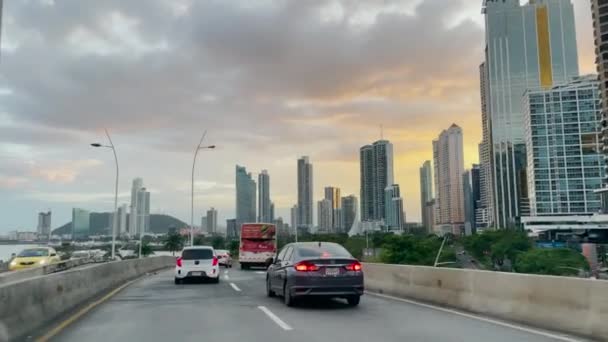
[(236, 288), (275, 318)]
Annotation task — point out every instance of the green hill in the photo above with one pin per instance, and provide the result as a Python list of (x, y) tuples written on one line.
[(100, 224)]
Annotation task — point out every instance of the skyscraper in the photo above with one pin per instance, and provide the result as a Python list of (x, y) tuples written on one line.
[(294, 217), (349, 212), (599, 9), (264, 212), (449, 167), (121, 229), (376, 162), (565, 162), (324, 212), (44, 224), (485, 211), (231, 229), (531, 46), (333, 195), (272, 212), (305, 193), (138, 183), (245, 197), (143, 211), (395, 217), (212, 221), (470, 184), (426, 193), (81, 223)]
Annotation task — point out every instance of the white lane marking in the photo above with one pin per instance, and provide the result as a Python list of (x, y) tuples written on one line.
[(260, 272), (226, 272), (275, 318), (236, 288), (480, 318), (226, 277)]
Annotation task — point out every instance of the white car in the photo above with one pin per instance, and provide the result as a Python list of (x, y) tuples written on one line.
[(224, 257), (197, 262)]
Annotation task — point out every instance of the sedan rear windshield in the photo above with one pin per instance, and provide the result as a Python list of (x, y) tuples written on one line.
[(197, 254), (324, 251), (34, 252)]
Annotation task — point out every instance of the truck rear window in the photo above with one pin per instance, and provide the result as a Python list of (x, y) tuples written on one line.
[(197, 254)]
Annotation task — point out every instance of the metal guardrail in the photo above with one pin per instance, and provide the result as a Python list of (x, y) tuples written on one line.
[(11, 276)]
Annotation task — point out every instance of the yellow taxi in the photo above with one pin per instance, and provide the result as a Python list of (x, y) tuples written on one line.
[(34, 257)]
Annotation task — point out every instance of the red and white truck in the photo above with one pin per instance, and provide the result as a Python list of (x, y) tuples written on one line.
[(258, 244)]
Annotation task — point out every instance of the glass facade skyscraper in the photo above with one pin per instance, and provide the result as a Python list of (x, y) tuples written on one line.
[(264, 204), (81, 223), (531, 46), (305, 193), (426, 193), (376, 162), (564, 160), (245, 197)]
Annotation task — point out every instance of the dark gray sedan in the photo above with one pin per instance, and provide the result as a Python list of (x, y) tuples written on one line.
[(314, 269)]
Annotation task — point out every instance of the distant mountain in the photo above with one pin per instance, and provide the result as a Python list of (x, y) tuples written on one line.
[(100, 224)]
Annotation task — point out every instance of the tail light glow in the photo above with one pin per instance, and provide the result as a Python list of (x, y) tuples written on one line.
[(306, 266), (214, 263), (178, 262), (355, 266)]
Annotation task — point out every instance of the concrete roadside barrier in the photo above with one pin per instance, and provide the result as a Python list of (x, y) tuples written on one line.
[(32, 303), (571, 305), (11, 276)]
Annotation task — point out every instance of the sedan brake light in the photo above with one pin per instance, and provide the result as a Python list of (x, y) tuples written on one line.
[(178, 262), (306, 266), (214, 263), (355, 266)]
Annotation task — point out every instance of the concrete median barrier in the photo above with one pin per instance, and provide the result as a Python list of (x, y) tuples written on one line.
[(571, 305), (32, 303)]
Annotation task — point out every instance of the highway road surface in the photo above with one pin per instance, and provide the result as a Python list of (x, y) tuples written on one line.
[(237, 309)]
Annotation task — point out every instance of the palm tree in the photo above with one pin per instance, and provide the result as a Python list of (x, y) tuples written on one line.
[(174, 242)]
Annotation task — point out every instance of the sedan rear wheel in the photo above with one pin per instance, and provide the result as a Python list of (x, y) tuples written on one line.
[(269, 291), (287, 298)]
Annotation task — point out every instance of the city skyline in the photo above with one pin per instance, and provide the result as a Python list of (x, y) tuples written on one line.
[(57, 169)]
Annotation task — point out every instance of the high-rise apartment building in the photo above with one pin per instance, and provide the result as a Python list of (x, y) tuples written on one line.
[(449, 167), (485, 211), (294, 217), (232, 231), (138, 183), (426, 193), (394, 215), (264, 204), (212, 221), (349, 212), (376, 163), (245, 197), (81, 223), (324, 213), (530, 46), (44, 224), (121, 228), (599, 11), (305, 193), (471, 186), (333, 195), (563, 140), (143, 211)]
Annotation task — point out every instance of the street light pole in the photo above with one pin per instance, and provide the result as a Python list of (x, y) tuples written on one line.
[(115, 215), (198, 147)]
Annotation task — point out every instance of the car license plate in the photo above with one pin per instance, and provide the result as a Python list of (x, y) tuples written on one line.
[(332, 272), (196, 274)]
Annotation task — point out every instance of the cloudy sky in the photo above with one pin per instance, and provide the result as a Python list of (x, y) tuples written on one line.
[(270, 81)]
